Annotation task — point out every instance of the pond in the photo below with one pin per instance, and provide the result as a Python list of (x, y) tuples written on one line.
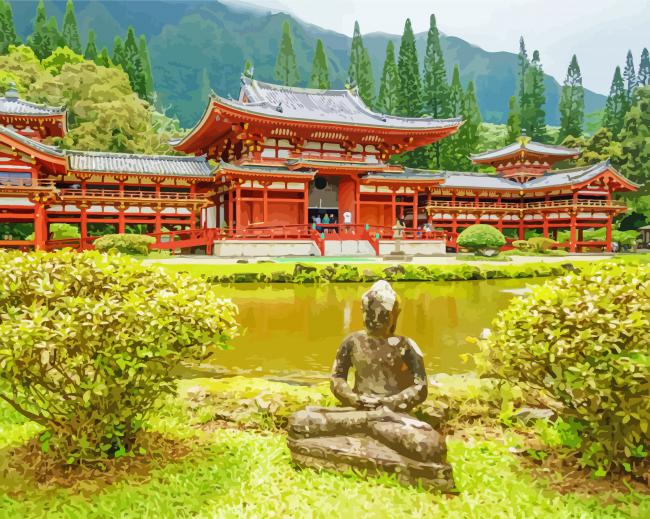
[(293, 331)]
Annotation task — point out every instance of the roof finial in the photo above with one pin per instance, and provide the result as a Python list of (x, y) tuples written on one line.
[(11, 92), (524, 139)]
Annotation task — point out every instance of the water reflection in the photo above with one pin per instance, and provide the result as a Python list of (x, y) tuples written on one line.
[(297, 328)]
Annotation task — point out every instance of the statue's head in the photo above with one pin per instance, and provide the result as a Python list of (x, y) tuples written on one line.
[(380, 309)]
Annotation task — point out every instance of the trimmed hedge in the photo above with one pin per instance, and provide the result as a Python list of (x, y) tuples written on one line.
[(134, 244), (482, 239), (583, 340), (402, 272)]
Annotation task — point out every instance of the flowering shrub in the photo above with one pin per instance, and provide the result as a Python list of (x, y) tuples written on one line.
[(88, 343), (125, 243), (583, 340)]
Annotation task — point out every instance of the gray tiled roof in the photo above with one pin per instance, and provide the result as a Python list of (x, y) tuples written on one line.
[(50, 150), (532, 146), (458, 179), (268, 169), (138, 164), (334, 106), (15, 106)]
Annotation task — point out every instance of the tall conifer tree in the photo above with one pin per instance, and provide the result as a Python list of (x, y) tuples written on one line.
[(389, 87), (514, 120), (435, 87), (616, 106), (143, 52), (117, 56), (533, 116), (133, 65), (572, 102), (360, 69), (104, 59), (472, 127), (8, 34), (320, 75), (644, 69), (629, 75), (522, 67), (91, 47), (204, 85), (70, 31), (45, 36), (453, 152), (286, 69), (408, 71)]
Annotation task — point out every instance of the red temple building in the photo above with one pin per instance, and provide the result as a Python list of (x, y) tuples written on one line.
[(286, 170)]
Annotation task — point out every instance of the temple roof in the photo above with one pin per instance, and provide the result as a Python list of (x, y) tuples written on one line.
[(525, 144), (138, 164), (36, 145), (323, 106), (11, 104), (469, 180), (263, 169)]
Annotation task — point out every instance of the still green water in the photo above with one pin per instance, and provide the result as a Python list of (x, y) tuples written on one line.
[(295, 330)]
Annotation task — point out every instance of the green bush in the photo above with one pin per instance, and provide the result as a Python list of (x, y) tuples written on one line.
[(521, 245), (482, 239), (60, 231), (125, 243), (88, 343), (583, 340), (541, 244)]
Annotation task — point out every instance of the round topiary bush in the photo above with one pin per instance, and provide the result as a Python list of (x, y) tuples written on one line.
[(583, 339), (542, 244), (88, 343), (521, 245), (125, 243), (482, 239)]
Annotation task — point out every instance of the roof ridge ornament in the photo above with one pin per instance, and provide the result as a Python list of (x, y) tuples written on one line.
[(12, 92)]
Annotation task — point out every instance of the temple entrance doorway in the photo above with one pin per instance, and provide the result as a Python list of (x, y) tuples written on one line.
[(324, 199)]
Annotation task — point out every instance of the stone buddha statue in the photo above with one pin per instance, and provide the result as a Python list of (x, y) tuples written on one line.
[(373, 432)]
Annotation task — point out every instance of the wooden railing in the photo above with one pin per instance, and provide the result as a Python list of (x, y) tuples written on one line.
[(27, 182), (443, 205), (129, 196)]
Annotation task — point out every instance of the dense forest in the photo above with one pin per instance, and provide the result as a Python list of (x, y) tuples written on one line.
[(113, 104)]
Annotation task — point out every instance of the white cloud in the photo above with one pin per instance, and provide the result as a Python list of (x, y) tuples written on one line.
[(600, 32)]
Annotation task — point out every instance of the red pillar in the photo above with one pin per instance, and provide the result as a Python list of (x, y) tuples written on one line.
[(572, 239), (83, 227), (121, 219), (608, 233), (238, 207), (415, 210), (40, 226), (522, 231), (265, 202), (545, 225)]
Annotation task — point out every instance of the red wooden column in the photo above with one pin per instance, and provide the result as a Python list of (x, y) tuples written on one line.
[(416, 216), (574, 223), (429, 215), (40, 226), (305, 204), (545, 225), (238, 206), (608, 233), (83, 224), (121, 219), (522, 230)]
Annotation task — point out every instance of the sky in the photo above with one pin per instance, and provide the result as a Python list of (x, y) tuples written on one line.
[(599, 32)]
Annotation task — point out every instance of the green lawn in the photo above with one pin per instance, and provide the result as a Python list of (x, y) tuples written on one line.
[(239, 472)]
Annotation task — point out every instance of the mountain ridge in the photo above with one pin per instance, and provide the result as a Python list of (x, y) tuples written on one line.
[(190, 39)]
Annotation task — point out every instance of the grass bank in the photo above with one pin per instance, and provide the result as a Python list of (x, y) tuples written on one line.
[(286, 272), (219, 450)]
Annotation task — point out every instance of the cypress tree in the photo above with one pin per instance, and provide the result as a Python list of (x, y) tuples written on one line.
[(388, 90), (572, 102), (118, 52), (91, 47), (643, 77), (286, 69), (133, 65), (204, 85), (360, 69), (522, 67), (248, 69), (408, 71), (514, 120), (435, 93), (143, 52), (454, 150), (8, 34), (104, 59), (533, 117), (616, 106), (629, 75), (53, 36), (70, 31), (45, 37), (635, 145), (472, 116), (320, 75)]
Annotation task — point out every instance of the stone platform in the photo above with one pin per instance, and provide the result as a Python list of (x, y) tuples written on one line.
[(362, 453)]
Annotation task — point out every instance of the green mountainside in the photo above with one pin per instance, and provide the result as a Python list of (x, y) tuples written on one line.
[(191, 40)]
